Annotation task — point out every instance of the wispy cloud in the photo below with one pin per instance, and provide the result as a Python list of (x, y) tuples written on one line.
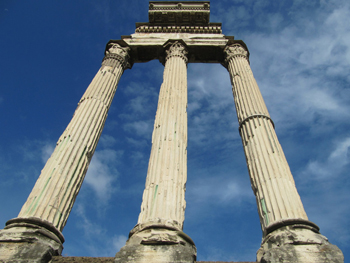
[(107, 141), (139, 128), (141, 96), (102, 174), (214, 253), (97, 240), (32, 154), (118, 242), (337, 160), (46, 152), (294, 69), (302, 62), (300, 56), (211, 111), (221, 190)]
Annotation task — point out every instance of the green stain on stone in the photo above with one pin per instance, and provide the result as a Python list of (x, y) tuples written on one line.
[(263, 207), (35, 202), (155, 193), (154, 197), (72, 177)]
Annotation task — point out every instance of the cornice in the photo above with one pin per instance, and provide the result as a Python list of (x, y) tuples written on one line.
[(214, 29), (175, 5)]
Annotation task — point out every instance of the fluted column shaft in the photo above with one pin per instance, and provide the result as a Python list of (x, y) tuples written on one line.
[(271, 179), (60, 180), (164, 194)]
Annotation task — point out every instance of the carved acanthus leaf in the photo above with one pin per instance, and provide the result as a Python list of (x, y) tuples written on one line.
[(235, 50), (177, 49), (115, 51)]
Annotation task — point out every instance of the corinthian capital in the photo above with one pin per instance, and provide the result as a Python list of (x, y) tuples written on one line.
[(235, 50), (116, 52), (177, 49)]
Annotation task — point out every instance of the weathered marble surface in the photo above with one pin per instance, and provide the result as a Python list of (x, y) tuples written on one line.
[(298, 243), (158, 236), (271, 179), (288, 236), (48, 206), (176, 34), (29, 240)]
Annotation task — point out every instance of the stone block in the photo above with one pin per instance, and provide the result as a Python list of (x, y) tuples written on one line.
[(23, 241), (158, 246)]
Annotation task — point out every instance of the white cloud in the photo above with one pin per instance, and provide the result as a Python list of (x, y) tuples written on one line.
[(333, 213), (215, 254), (119, 242), (210, 105), (300, 65), (300, 59), (138, 156), (141, 93), (102, 173), (90, 229), (221, 190), (137, 143), (107, 141), (141, 104), (337, 160), (46, 152), (139, 128), (97, 240), (32, 154), (138, 104), (193, 106)]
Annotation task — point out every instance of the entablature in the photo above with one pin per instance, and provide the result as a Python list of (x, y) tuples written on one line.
[(201, 48), (187, 22)]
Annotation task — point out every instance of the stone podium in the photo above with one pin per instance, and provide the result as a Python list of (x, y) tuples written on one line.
[(177, 33)]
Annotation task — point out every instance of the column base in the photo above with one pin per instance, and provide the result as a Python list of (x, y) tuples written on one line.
[(297, 241), (29, 240), (157, 243)]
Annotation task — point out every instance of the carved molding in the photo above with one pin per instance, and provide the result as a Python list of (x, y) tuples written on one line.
[(179, 29), (116, 52), (255, 116), (235, 50), (36, 223), (179, 6), (177, 49), (186, 13)]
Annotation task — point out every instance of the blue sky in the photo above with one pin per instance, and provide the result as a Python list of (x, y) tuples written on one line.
[(300, 57)]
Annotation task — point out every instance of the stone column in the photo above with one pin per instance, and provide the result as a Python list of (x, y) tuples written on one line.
[(158, 236), (282, 215), (45, 213)]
